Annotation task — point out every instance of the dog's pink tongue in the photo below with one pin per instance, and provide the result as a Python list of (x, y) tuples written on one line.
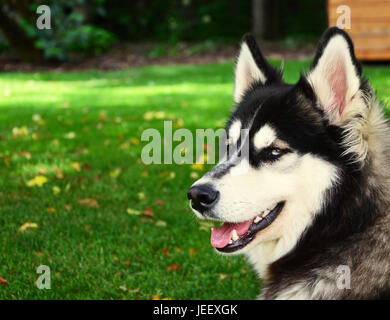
[(221, 236)]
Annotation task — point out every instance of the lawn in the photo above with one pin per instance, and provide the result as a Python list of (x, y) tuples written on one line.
[(108, 226)]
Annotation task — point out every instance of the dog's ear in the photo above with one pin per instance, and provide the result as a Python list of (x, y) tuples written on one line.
[(335, 76), (251, 68)]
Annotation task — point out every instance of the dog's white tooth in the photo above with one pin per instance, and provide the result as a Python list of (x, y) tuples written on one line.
[(266, 212), (234, 235), (231, 241), (257, 219)]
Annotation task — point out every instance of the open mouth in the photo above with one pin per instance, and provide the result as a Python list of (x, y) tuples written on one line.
[(231, 237)]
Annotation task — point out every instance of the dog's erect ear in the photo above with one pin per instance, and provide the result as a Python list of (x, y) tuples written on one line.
[(251, 67), (335, 75)]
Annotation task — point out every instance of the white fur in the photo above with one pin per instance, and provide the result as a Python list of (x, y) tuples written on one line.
[(336, 63), (264, 137), (246, 73), (235, 131)]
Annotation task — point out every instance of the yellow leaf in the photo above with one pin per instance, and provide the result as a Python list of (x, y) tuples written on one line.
[(194, 175), (27, 225), (133, 212), (56, 190), (37, 181), (141, 196), (197, 166), (161, 223), (156, 297), (76, 166), (51, 209), (114, 174), (134, 141)]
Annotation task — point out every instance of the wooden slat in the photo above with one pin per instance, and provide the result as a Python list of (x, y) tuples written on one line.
[(366, 27), (369, 12), (357, 3), (370, 26)]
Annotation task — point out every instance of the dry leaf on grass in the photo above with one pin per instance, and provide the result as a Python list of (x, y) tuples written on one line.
[(38, 181), (3, 282), (161, 223), (76, 166), (89, 202), (133, 212), (173, 267), (28, 225), (148, 212)]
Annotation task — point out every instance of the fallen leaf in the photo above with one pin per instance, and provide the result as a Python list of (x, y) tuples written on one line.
[(148, 212), (114, 174), (76, 166), (25, 154), (70, 135), (134, 141), (86, 228), (178, 250), (146, 220), (156, 297), (192, 252), (169, 298), (222, 276), (38, 181), (133, 212), (59, 174), (28, 225), (87, 167), (127, 262), (68, 207), (89, 202), (42, 170), (141, 196), (56, 190), (39, 253), (197, 166), (161, 223), (165, 252), (159, 202), (103, 117), (194, 175), (3, 282), (173, 267), (51, 209), (6, 161)]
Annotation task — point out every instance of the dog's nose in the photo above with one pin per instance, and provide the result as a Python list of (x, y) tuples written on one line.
[(202, 197)]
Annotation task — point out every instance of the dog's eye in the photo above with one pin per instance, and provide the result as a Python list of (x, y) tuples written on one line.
[(275, 152)]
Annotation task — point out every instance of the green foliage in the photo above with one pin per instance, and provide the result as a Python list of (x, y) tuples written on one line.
[(178, 20)]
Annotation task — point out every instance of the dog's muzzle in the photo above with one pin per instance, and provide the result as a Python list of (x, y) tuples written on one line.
[(203, 197)]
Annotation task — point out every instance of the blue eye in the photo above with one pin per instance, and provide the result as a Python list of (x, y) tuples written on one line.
[(276, 152)]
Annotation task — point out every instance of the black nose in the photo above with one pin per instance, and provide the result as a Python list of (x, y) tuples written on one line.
[(202, 197)]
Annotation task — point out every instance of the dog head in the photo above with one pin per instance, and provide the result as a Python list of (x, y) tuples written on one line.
[(295, 141)]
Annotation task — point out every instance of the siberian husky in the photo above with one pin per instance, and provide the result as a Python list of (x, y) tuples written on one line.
[(312, 209)]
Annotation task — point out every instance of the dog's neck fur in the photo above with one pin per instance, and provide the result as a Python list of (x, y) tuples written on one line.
[(307, 267)]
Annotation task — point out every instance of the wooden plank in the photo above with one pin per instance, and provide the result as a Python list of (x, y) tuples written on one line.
[(370, 26), (357, 3), (377, 13), (373, 55)]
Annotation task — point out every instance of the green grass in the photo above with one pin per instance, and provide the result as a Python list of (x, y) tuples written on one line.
[(104, 252)]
